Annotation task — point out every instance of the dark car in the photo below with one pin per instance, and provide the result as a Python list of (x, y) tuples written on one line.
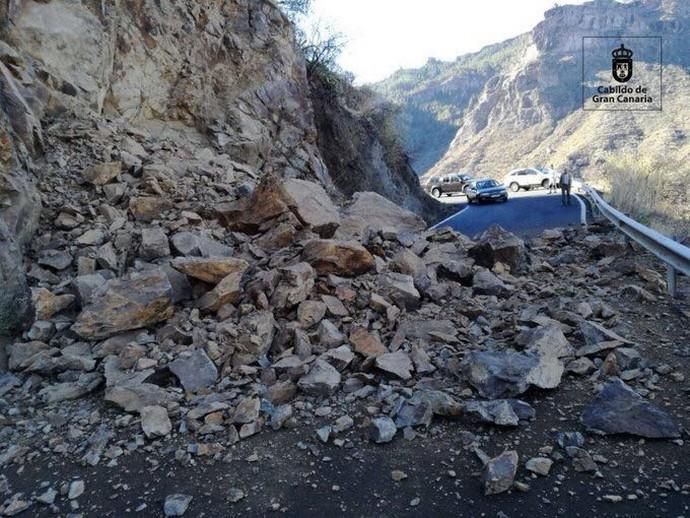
[(448, 184), (486, 190)]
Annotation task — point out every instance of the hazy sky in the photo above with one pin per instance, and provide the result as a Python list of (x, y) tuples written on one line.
[(385, 35)]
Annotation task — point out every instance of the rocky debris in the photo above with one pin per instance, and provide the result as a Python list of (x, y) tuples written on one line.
[(498, 373), (366, 343), (227, 291), (255, 336), (296, 316), (193, 244), (397, 363), (194, 370), (295, 285), (594, 334), (140, 300), (499, 473), (371, 211), (176, 505), (345, 258), (502, 412), (486, 283), (274, 204), (539, 465), (619, 409), (154, 243), (329, 335), (210, 269), (497, 245), (313, 206), (382, 430), (401, 290), (155, 421), (547, 340), (101, 174), (322, 380), (311, 312), (47, 304)]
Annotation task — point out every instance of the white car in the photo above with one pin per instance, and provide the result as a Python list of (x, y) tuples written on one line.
[(526, 178)]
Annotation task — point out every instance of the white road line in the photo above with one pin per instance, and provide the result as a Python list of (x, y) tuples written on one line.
[(448, 218), (583, 210)]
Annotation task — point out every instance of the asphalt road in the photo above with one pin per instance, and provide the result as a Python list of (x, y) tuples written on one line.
[(526, 213)]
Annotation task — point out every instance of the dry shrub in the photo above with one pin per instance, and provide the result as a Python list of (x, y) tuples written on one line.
[(653, 190)]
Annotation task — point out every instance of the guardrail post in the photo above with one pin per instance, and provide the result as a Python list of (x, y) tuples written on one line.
[(672, 280)]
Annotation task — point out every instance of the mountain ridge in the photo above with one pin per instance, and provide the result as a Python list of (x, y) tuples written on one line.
[(531, 114)]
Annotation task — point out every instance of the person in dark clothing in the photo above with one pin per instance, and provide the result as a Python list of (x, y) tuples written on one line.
[(565, 182)]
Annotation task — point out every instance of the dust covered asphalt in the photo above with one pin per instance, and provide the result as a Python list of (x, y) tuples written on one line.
[(279, 477), (291, 473), (526, 213)]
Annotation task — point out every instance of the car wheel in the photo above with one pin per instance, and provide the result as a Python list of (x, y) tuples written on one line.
[(545, 184), (515, 187), (505, 199), (436, 192)]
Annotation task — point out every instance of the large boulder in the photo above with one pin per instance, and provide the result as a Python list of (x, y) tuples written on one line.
[(619, 409), (345, 258), (372, 211), (313, 206), (497, 245), (509, 373), (139, 300), (273, 201)]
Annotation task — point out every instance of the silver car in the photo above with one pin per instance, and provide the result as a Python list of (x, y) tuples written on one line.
[(526, 178)]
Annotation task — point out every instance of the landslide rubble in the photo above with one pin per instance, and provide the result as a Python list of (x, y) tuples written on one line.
[(252, 316)]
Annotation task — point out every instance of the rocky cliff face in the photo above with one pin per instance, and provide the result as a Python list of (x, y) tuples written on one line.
[(191, 102), (528, 112)]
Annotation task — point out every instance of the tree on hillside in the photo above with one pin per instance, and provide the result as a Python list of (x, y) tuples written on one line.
[(322, 47)]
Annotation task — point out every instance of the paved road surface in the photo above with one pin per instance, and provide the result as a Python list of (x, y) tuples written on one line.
[(526, 214)]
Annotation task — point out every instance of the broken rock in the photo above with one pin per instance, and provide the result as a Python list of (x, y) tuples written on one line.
[(155, 421), (397, 363), (346, 258), (195, 370), (322, 380), (619, 409), (139, 300), (382, 430), (499, 473), (212, 269), (498, 373)]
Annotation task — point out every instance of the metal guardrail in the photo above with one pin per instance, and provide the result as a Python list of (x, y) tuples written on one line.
[(673, 254)]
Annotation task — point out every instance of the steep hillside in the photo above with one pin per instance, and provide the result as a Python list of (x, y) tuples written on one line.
[(161, 105), (433, 99), (530, 111)]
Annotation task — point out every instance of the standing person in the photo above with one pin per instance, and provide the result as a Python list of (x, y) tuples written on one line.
[(565, 188), (553, 180)]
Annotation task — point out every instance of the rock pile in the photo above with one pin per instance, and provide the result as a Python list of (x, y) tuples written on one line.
[(223, 322)]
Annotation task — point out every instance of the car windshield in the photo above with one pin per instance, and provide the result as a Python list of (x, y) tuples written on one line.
[(486, 184)]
